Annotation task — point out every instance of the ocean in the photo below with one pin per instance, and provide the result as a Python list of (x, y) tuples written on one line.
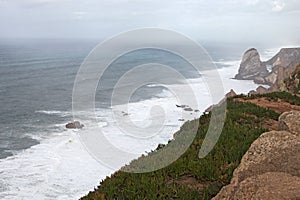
[(39, 157)]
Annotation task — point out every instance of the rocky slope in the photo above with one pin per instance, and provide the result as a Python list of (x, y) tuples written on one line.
[(270, 169)]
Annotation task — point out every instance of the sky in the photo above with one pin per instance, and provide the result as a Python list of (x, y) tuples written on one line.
[(218, 20)]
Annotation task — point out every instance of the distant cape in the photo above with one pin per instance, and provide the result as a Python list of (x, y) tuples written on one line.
[(271, 72)]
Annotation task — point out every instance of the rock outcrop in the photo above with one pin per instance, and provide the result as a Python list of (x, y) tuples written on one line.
[(272, 72), (290, 121), (74, 125), (286, 57), (292, 83), (259, 90), (270, 185), (270, 169), (251, 66), (230, 94)]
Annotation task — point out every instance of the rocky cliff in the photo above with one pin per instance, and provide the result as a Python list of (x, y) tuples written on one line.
[(251, 66), (270, 168), (292, 83), (286, 57), (271, 72)]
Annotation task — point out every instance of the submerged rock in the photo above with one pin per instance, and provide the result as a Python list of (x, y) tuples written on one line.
[(74, 125)]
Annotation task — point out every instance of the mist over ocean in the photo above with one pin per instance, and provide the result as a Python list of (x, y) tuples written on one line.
[(39, 158)]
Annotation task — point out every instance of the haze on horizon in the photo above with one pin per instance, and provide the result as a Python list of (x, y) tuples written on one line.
[(259, 21)]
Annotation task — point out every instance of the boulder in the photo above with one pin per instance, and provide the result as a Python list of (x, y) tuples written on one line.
[(74, 125), (270, 185), (261, 90), (251, 66), (290, 121), (273, 157)]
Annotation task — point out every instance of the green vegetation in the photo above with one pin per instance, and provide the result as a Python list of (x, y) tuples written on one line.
[(276, 96), (190, 177)]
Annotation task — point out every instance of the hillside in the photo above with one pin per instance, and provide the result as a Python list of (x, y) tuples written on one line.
[(189, 177)]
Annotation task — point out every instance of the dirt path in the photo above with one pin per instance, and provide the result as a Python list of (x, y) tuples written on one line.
[(279, 106)]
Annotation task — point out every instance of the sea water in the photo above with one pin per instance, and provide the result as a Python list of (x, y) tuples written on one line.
[(39, 157)]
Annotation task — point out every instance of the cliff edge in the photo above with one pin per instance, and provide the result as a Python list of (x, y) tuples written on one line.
[(270, 168)]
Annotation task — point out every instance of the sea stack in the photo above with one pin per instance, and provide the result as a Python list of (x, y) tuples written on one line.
[(251, 66)]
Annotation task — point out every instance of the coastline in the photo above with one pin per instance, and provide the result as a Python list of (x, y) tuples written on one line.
[(230, 98), (229, 84), (248, 117), (64, 149)]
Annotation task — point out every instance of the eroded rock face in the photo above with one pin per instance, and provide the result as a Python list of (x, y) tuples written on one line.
[(292, 83), (270, 185), (270, 169), (286, 57), (290, 121), (272, 151), (251, 66)]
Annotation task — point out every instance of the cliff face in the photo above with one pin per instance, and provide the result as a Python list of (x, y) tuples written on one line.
[(286, 57), (280, 67), (292, 83), (270, 168)]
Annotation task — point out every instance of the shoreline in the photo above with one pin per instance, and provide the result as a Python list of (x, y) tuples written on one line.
[(71, 142)]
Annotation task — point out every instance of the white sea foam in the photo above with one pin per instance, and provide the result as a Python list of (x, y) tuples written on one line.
[(61, 168), (54, 112)]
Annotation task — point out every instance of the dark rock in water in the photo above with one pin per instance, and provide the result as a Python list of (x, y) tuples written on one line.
[(181, 106), (188, 109), (181, 120), (74, 125), (251, 66)]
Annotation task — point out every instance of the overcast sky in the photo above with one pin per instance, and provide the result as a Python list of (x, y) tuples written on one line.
[(219, 20)]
